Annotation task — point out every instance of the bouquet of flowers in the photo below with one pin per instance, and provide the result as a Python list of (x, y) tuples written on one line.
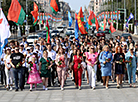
[(47, 64), (19, 64), (108, 59), (31, 65), (60, 62), (130, 63), (27, 59), (79, 61)]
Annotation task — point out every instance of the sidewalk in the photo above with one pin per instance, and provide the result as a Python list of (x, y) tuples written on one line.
[(70, 94)]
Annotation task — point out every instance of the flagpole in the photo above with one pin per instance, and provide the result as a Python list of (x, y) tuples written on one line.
[(27, 16), (135, 27)]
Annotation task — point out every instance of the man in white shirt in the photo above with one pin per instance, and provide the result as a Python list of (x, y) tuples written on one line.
[(52, 55)]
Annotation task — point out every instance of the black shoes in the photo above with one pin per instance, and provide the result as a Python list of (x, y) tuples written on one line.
[(16, 90)]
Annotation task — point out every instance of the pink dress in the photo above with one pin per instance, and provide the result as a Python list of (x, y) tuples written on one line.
[(34, 76)]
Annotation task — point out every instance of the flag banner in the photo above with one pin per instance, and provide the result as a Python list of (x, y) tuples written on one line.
[(76, 28), (130, 17), (69, 18), (35, 14), (119, 17), (104, 24), (86, 25), (54, 6), (47, 32), (116, 15), (4, 31), (80, 19), (112, 29), (16, 12), (113, 15)]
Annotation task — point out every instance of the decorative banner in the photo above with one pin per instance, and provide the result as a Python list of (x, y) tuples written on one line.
[(119, 15), (113, 15), (106, 15), (116, 15)]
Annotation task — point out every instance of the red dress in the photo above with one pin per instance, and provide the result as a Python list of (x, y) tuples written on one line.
[(77, 70)]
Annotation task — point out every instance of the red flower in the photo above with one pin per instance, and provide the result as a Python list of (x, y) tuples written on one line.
[(109, 59), (89, 60), (47, 60)]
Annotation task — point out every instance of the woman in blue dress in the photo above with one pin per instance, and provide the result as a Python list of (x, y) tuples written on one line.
[(105, 59), (131, 64)]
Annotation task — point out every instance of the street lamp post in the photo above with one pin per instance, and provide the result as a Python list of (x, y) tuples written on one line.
[(117, 16), (124, 12), (26, 16), (135, 27)]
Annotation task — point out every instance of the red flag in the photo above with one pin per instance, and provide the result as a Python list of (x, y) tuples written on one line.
[(104, 22), (47, 32), (35, 12), (96, 23), (112, 29), (81, 21)]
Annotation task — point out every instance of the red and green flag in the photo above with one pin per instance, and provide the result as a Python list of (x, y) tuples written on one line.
[(104, 24), (47, 32), (80, 19), (112, 29), (54, 6), (16, 12), (35, 13), (91, 19)]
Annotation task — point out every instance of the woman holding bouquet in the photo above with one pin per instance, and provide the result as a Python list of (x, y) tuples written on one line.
[(131, 64), (44, 69), (61, 67), (8, 69), (77, 69), (119, 59), (105, 59), (91, 60)]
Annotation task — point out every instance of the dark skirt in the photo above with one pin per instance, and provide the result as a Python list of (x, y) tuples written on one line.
[(119, 68)]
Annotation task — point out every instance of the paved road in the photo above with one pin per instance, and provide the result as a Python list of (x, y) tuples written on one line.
[(135, 37), (70, 94)]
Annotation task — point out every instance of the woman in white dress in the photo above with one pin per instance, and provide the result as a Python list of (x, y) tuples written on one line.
[(8, 69)]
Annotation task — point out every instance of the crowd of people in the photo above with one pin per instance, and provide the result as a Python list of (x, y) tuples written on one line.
[(96, 59)]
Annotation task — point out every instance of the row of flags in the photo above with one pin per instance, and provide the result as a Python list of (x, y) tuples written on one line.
[(82, 25), (17, 15), (113, 15)]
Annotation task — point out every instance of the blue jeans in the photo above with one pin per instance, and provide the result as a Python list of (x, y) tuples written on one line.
[(131, 72), (17, 73)]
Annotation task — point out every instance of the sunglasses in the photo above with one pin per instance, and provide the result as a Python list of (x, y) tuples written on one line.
[(92, 48), (17, 49)]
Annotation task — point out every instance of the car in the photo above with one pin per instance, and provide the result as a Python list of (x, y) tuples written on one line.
[(55, 33), (69, 32), (125, 35), (107, 31), (32, 38), (40, 34), (64, 25), (71, 37), (50, 29), (70, 29), (60, 29), (100, 34)]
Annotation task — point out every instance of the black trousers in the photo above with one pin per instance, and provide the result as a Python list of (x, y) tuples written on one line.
[(3, 75), (53, 75), (25, 74), (98, 74)]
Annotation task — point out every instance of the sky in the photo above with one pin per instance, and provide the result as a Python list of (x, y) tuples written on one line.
[(76, 4)]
